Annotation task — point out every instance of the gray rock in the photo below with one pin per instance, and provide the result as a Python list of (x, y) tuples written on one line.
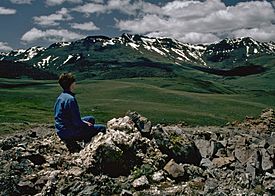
[(112, 153), (222, 161), (204, 147), (205, 162), (243, 154), (126, 193), (158, 176), (221, 153), (253, 165), (141, 183), (88, 190), (123, 124), (142, 123), (177, 146), (174, 169), (40, 183), (210, 185), (75, 171), (193, 171), (267, 162), (271, 150)]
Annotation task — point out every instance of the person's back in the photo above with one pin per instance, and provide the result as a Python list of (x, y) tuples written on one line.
[(68, 123), (64, 113)]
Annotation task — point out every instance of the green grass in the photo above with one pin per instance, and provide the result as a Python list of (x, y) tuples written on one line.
[(162, 100)]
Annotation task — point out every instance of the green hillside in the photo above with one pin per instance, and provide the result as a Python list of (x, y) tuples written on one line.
[(164, 100)]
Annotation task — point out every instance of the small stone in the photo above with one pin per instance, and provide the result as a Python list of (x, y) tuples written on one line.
[(271, 150), (210, 185), (222, 161), (205, 162), (242, 154), (204, 147), (126, 193), (221, 153), (269, 176), (88, 190), (193, 171), (158, 176), (75, 171), (41, 182), (267, 163), (140, 183), (174, 169)]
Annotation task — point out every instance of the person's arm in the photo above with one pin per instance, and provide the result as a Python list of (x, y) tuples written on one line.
[(75, 114)]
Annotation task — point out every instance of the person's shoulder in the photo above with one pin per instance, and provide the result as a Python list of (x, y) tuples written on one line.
[(66, 96)]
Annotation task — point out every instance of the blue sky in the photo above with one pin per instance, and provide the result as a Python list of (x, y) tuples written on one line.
[(26, 23)]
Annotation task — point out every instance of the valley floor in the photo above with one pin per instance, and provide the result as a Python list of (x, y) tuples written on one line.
[(166, 100)]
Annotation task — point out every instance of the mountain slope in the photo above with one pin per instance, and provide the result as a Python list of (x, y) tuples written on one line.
[(135, 55)]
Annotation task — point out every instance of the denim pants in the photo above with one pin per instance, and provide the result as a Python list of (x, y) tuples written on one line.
[(84, 134), (87, 133)]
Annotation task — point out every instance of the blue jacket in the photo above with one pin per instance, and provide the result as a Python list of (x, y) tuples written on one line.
[(67, 116)]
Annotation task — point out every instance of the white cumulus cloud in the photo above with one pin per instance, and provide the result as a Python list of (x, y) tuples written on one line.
[(88, 26), (262, 34), (7, 11), (91, 8), (204, 21), (59, 2), (53, 19), (127, 7), (21, 1), (4, 46), (51, 35)]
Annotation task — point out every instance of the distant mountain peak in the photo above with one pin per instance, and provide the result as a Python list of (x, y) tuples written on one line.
[(129, 50)]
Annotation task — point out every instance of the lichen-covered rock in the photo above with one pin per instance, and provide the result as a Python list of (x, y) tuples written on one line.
[(176, 145), (118, 151), (113, 153)]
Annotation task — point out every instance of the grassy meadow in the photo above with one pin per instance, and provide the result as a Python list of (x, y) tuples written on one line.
[(162, 100)]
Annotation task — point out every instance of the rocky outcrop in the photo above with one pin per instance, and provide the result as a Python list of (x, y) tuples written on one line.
[(135, 158)]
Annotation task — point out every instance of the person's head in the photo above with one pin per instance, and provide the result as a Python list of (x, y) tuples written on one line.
[(67, 81)]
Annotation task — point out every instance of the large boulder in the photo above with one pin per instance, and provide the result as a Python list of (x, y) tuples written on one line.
[(176, 144), (118, 151)]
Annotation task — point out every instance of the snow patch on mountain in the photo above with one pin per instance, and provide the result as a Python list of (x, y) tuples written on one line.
[(62, 44), (180, 53), (68, 58), (20, 51), (109, 42), (133, 45), (43, 63), (30, 53), (146, 40), (54, 59)]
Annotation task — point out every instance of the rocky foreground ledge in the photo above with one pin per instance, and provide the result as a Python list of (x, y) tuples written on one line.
[(135, 158)]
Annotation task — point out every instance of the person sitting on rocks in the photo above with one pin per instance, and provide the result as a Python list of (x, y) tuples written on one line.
[(70, 127)]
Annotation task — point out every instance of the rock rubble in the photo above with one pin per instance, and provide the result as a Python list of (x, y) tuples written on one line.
[(136, 158)]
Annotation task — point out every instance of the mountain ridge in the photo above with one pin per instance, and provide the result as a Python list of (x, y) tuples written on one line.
[(101, 53)]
